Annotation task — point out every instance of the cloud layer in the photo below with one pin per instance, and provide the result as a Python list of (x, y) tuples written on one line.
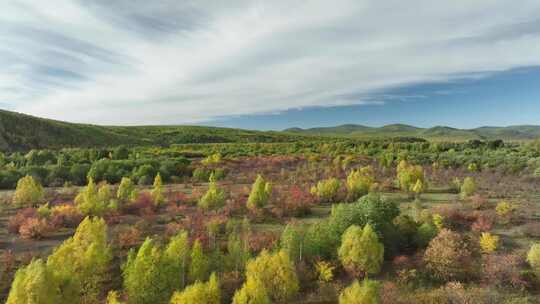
[(170, 62)]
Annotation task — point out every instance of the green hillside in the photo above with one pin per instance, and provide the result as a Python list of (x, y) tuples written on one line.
[(438, 133), (24, 132)]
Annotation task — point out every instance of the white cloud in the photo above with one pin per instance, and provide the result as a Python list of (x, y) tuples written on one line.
[(144, 62)]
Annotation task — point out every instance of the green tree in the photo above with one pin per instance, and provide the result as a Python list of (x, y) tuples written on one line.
[(361, 251), (468, 187), (176, 258), (92, 201), (112, 298), (144, 276), (408, 176), (198, 270), (359, 182), (156, 193), (214, 198), (366, 293), (82, 262), (326, 190), (237, 252), (291, 242), (34, 284), (126, 191), (199, 293), (252, 292), (28, 192), (277, 273), (260, 193)]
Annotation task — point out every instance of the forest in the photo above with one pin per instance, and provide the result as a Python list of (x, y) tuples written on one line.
[(315, 221)]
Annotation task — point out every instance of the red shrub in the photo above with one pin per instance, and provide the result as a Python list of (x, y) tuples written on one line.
[(262, 240), (482, 224), (142, 206), (65, 216), (128, 238), (503, 270), (15, 222), (34, 228), (296, 201)]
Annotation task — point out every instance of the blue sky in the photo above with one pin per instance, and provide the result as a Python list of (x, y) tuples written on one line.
[(272, 64), (501, 99)]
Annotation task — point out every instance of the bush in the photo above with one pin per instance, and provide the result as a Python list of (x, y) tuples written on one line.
[(503, 270), (488, 242), (468, 187), (366, 293), (447, 256), (34, 228), (533, 258), (28, 193)]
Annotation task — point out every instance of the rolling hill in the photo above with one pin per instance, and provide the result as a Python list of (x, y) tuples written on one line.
[(438, 133), (19, 132)]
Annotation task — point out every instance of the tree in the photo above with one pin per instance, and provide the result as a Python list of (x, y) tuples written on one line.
[(81, 263), (360, 250), (425, 233), (418, 188), (92, 201), (325, 271), (237, 252), (175, 259), (367, 293), (277, 273), (468, 187), (156, 193), (408, 176), (533, 258), (447, 256), (260, 193), (144, 275), (214, 198), (126, 191), (359, 182), (326, 190), (34, 284), (488, 242), (112, 298), (252, 292), (291, 241), (199, 267), (200, 293), (28, 192)]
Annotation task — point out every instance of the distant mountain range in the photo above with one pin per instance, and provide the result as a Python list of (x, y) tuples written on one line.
[(438, 133), (20, 132)]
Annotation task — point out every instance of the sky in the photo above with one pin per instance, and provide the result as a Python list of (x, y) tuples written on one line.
[(272, 64)]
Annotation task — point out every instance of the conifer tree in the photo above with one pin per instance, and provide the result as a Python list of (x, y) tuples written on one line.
[(34, 284), (198, 270), (126, 190), (156, 193), (214, 198), (81, 263), (260, 193), (361, 251)]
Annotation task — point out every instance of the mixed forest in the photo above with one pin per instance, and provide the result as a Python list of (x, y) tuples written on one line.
[(291, 220)]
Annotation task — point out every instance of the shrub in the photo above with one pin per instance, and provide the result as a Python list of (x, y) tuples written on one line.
[(447, 256), (28, 192), (504, 211), (200, 293), (34, 228), (296, 202), (260, 194), (503, 270), (276, 272), (365, 293), (325, 271), (65, 216), (360, 251), (15, 222), (212, 159), (326, 190), (533, 258), (488, 242)]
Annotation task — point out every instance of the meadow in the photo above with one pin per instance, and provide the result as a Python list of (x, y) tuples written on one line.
[(315, 221)]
